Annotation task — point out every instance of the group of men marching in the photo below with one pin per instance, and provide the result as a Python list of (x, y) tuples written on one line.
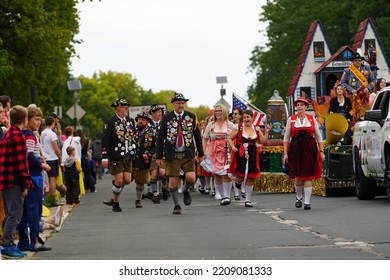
[(155, 147)]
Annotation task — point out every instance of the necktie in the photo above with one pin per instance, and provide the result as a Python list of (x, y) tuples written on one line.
[(180, 134), (124, 123)]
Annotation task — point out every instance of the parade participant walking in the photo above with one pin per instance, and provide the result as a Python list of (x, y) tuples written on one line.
[(157, 173), (216, 133), (29, 226), (357, 77), (245, 159), (119, 147), (179, 133), (303, 151), (145, 141), (14, 179), (237, 120)]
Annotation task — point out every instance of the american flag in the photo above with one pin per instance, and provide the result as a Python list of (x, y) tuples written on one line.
[(257, 116)]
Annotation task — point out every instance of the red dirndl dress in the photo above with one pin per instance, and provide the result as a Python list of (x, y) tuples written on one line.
[(304, 161), (239, 161)]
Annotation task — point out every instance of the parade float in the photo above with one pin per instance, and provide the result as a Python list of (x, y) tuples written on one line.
[(317, 73)]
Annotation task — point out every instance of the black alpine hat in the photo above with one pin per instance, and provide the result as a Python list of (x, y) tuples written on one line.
[(120, 102)]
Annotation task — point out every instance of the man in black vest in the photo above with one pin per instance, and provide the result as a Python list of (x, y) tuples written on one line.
[(145, 139), (179, 133), (119, 147)]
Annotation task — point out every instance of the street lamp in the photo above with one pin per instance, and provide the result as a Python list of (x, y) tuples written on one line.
[(222, 80), (75, 85)]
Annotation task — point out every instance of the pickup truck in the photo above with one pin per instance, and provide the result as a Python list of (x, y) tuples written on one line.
[(371, 149)]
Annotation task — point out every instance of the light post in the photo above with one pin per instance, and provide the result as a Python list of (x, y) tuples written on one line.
[(75, 85), (222, 80)]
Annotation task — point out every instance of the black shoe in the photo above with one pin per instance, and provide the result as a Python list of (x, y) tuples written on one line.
[(149, 195), (306, 206), (236, 197), (187, 198), (165, 193), (156, 199), (138, 204), (243, 195), (201, 189), (248, 204), (40, 248), (177, 210), (109, 202), (298, 203), (116, 207), (206, 192)]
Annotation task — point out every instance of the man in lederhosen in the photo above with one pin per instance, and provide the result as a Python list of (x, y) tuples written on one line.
[(119, 147), (157, 173), (179, 133), (145, 139)]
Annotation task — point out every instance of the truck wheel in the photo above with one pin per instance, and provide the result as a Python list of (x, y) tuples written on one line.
[(365, 188), (387, 178)]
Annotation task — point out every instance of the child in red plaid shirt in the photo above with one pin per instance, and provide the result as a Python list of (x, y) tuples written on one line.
[(14, 178)]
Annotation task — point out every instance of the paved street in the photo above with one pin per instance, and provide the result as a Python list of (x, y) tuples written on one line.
[(337, 228)]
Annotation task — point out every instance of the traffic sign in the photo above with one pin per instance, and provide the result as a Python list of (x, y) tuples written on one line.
[(77, 112)]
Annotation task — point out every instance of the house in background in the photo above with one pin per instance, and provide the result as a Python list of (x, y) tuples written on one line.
[(318, 69)]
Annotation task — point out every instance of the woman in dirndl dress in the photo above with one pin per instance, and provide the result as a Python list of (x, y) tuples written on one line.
[(303, 151), (245, 158), (215, 144)]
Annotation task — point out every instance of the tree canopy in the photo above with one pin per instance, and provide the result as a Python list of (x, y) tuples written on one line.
[(274, 62)]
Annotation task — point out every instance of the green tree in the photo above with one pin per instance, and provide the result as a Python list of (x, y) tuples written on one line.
[(38, 39), (289, 20)]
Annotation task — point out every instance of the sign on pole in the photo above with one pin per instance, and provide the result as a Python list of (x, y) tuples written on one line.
[(77, 112)]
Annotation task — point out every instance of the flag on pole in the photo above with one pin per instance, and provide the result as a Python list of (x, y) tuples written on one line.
[(240, 103)]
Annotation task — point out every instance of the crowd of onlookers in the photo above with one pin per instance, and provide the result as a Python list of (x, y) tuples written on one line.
[(55, 171)]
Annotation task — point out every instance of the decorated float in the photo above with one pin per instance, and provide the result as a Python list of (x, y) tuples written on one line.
[(317, 73)]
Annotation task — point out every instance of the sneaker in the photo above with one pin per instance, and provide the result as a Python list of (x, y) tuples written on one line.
[(17, 250), (9, 252), (177, 210), (116, 207), (165, 193), (58, 228), (138, 204), (58, 216), (156, 199), (187, 198)]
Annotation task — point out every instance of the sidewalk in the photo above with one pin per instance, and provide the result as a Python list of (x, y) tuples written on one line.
[(48, 232)]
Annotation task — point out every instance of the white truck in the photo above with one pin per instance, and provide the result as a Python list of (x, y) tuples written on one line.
[(371, 149)]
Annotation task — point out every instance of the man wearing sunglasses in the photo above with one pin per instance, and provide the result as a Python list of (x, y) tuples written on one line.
[(357, 77)]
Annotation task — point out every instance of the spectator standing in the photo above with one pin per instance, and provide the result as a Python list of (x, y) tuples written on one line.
[(72, 169), (14, 179), (96, 147), (51, 150), (87, 175), (29, 226)]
